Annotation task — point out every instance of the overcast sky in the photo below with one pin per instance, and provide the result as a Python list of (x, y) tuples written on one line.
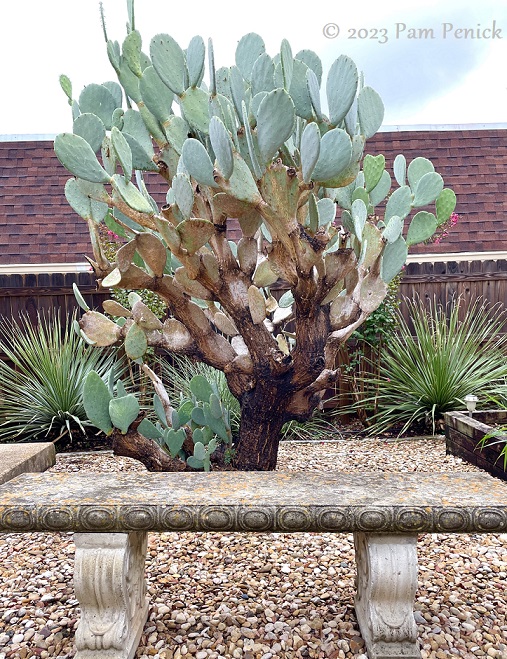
[(433, 62)]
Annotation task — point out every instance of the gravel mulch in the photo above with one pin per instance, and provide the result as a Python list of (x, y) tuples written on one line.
[(264, 596)]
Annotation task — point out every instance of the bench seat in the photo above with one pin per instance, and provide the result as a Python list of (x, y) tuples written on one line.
[(255, 501), (111, 514)]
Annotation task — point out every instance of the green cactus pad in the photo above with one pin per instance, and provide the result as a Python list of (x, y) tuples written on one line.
[(194, 462), (131, 195), (252, 151), (393, 229), (312, 61), (183, 194), (135, 342), (96, 398), (66, 85), (131, 51), (417, 169), (157, 97), (90, 127), (194, 103), (174, 440), (428, 188), (422, 227), (286, 301), (78, 157), (196, 53), (237, 84), (77, 199), (222, 146), (313, 214), (140, 158), (310, 150), (445, 205), (341, 87), (399, 203), (287, 63), (123, 411), (393, 259), (79, 298), (299, 91), (198, 162), (327, 211), (169, 62), (400, 169), (263, 74), (373, 167), (370, 110), (201, 388), (199, 451), (198, 416), (98, 100), (242, 185), (314, 92), (118, 118), (249, 48), (123, 152), (149, 430), (194, 233), (114, 54), (359, 214), (381, 190), (335, 154), (129, 81)]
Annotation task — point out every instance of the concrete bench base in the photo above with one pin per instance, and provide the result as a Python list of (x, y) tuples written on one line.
[(16, 459), (110, 587)]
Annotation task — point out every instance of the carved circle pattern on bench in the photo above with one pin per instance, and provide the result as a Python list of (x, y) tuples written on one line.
[(112, 515)]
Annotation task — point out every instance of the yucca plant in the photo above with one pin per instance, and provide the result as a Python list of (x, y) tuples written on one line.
[(428, 370), (41, 393)]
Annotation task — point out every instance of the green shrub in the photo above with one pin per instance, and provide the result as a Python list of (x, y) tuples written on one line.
[(41, 394), (429, 373)]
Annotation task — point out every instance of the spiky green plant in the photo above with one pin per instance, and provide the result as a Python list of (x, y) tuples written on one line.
[(429, 370), (41, 393)]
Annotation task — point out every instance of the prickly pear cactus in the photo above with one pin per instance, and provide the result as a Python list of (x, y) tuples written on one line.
[(249, 142)]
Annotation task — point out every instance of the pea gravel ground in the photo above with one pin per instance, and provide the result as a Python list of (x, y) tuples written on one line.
[(264, 596)]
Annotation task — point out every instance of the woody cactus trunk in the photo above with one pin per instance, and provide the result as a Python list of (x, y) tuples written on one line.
[(253, 146)]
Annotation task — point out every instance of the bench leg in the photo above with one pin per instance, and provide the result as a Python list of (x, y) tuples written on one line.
[(111, 590), (386, 587)]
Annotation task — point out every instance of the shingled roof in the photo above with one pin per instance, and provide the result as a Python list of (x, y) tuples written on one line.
[(38, 226)]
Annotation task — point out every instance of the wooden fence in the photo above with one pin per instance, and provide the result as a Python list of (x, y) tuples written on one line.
[(446, 281), (29, 294)]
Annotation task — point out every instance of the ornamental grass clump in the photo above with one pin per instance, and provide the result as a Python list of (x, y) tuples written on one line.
[(41, 392), (429, 369)]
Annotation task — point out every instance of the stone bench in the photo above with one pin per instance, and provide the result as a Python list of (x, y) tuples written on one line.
[(111, 515), (17, 459)]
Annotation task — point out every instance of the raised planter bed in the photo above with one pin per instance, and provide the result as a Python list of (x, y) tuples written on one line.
[(463, 434)]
